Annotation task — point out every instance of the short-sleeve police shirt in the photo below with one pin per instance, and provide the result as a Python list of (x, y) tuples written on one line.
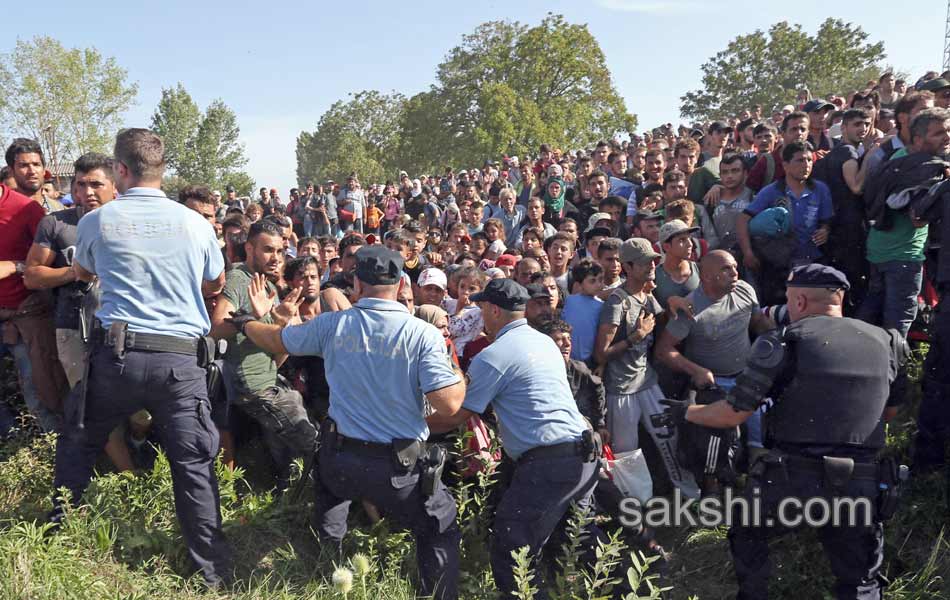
[(523, 376), (151, 255), (380, 361)]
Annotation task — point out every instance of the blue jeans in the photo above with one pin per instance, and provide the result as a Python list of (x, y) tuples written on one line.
[(891, 301), (21, 357)]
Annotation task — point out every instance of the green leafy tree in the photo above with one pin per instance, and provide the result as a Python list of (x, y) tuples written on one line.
[(177, 119), (358, 136), (200, 148), (506, 88), (769, 69), (71, 100)]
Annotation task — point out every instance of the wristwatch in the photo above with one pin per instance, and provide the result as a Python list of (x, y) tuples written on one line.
[(20, 266)]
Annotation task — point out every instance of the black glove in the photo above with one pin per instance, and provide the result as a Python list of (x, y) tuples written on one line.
[(674, 415), (240, 319)]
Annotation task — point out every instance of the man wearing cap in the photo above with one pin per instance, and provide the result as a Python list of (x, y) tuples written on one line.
[(231, 200), (381, 360), (540, 306), (431, 287), (622, 347), (817, 111), (646, 224), (523, 377), (940, 88), (678, 274), (831, 378)]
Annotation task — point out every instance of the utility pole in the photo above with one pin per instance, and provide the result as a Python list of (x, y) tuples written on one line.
[(946, 41)]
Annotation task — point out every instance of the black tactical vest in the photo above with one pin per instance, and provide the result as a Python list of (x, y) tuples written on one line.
[(836, 396)]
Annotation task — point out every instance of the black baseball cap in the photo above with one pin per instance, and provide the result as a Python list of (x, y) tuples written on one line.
[(595, 231), (646, 215), (230, 188), (818, 276), (503, 293), (378, 265), (537, 291), (719, 126), (817, 105)]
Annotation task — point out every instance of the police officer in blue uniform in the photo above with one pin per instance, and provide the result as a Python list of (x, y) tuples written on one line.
[(831, 378), (156, 261), (523, 376), (382, 364)]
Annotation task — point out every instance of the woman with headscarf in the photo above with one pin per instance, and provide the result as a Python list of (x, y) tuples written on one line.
[(553, 197), (438, 318)]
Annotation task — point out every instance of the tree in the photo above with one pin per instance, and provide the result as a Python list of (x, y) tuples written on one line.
[(508, 88), (505, 89), (177, 119), (200, 148), (769, 69), (357, 136), (70, 100)]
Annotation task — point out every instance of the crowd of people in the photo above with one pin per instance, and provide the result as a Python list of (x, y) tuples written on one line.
[(622, 277)]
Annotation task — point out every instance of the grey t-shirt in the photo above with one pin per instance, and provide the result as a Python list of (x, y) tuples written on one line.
[(718, 338), (629, 372), (666, 287)]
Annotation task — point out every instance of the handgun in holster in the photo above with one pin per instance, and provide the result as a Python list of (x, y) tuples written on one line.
[(116, 338), (592, 445), (433, 466), (891, 478)]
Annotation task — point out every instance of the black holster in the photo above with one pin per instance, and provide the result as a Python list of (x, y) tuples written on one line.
[(406, 453), (592, 444), (892, 476), (432, 468)]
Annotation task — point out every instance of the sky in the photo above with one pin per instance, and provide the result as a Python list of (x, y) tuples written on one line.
[(280, 65)]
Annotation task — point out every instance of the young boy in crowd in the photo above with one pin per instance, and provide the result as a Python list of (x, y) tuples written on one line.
[(582, 308)]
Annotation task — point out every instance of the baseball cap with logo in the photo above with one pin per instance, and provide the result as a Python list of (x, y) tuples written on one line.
[(433, 276), (596, 218)]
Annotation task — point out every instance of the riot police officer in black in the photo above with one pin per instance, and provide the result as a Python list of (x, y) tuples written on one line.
[(831, 378)]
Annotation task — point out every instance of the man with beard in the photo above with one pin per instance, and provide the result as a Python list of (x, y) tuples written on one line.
[(49, 267), (252, 371), (28, 167)]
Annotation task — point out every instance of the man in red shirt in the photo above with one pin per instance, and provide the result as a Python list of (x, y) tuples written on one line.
[(26, 325)]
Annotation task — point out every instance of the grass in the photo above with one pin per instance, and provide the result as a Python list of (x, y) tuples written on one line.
[(124, 543)]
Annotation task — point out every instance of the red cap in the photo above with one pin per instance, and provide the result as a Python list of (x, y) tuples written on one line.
[(507, 260)]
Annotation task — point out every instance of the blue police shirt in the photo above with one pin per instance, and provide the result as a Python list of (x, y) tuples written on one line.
[(523, 376), (151, 255), (808, 211), (380, 361)]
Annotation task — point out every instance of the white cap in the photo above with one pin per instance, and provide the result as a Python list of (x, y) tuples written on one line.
[(433, 276)]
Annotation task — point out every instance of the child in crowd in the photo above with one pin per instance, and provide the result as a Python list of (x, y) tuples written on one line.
[(465, 318), (582, 308)]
